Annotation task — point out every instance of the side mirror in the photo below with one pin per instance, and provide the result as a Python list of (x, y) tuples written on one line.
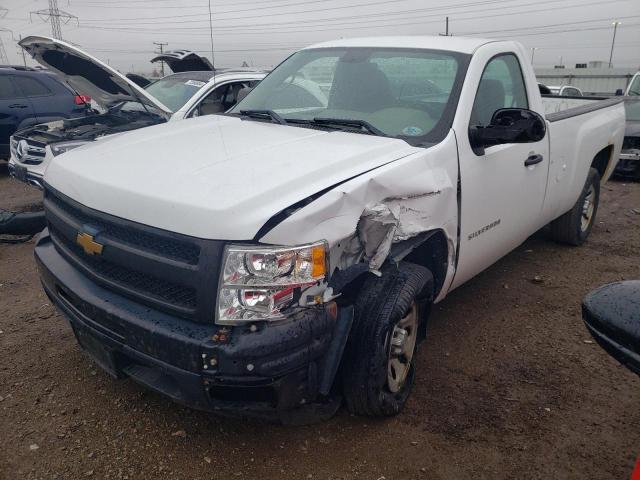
[(619, 92), (243, 93), (612, 316), (508, 125)]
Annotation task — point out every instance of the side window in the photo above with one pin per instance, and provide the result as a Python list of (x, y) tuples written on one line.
[(212, 103), (501, 86), (231, 96), (8, 89), (33, 88), (222, 98)]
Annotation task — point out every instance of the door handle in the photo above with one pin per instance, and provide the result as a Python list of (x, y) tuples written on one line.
[(533, 159), (17, 105)]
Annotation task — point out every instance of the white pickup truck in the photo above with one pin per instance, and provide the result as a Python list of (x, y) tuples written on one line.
[(281, 257)]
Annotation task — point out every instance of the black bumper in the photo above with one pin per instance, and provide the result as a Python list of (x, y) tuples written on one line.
[(628, 166), (274, 372)]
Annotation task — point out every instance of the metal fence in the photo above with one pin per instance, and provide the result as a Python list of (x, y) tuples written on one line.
[(592, 81)]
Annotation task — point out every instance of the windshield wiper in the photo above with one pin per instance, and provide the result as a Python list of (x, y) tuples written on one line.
[(351, 123), (264, 114)]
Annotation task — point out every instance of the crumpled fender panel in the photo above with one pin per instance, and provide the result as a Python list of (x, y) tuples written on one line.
[(365, 216)]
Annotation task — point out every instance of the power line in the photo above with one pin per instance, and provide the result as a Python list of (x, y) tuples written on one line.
[(280, 27), (324, 9), (314, 28)]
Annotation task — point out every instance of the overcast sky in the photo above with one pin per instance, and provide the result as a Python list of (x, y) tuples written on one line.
[(263, 32)]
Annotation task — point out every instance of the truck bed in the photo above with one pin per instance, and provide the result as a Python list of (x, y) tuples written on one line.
[(559, 108)]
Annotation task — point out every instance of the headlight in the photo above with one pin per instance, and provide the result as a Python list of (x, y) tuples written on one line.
[(59, 148), (257, 283)]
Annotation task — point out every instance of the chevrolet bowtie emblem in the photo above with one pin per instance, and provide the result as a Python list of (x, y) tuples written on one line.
[(88, 244)]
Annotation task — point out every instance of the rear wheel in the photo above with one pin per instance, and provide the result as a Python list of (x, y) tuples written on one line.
[(575, 226), (378, 365)]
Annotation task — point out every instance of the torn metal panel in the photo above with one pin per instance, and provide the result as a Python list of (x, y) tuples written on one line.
[(363, 217)]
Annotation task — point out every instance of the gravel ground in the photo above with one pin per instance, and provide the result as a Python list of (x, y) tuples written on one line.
[(508, 386)]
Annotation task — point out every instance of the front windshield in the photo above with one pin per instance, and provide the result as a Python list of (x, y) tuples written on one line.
[(632, 110), (174, 92), (405, 93), (634, 88)]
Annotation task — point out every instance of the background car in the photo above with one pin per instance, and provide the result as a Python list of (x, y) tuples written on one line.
[(565, 91), (29, 96), (629, 164), (125, 105)]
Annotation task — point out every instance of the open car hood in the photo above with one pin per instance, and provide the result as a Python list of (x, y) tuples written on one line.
[(184, 61), (86, 74)]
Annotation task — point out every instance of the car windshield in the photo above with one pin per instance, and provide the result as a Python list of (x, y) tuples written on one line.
[(632, 109), (174, 91), (403, 93)]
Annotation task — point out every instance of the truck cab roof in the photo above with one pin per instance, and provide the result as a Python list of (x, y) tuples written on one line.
[(457, 44)]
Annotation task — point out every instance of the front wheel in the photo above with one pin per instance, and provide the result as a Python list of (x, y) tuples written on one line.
[(575, 226), (379, 364)]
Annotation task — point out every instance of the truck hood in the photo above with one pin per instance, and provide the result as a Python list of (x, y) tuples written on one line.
[(215, 177), (86, 74), (184, 61)]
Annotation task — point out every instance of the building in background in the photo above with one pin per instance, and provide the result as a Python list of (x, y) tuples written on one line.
[(593, 78)]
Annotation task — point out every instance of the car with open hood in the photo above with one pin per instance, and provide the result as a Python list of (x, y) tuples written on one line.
[(126, 106)]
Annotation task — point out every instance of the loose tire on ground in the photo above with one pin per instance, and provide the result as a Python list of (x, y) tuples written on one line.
[(575, 226), (382, 335)]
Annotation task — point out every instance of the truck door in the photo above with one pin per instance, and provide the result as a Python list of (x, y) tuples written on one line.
[(501, 198), (14, 108)]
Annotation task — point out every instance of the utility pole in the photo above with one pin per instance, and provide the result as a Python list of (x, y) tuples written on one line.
[(54, 16), (161, 46), (213, 60), (613, 41), (533, 52), (446, 28), (24, 59)]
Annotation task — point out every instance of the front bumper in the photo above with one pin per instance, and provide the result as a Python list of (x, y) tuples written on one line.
[(273, 372), (629, 164), (26, 174)]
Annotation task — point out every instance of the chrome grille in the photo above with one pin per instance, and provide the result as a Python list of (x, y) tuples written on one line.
[(164, 270), (31, 153)]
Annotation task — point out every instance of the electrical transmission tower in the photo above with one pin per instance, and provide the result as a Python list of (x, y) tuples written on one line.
[(4, 60), (54, 16)]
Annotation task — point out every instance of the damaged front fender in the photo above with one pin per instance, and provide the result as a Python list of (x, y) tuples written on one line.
[(363, 219)]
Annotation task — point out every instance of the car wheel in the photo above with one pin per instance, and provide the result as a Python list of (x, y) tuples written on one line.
[(378, 365), (575, 226)]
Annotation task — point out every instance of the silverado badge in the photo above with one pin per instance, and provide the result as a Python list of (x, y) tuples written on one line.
[(88, 244)]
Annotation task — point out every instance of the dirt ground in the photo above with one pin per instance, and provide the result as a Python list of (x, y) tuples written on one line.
[(509, 386)]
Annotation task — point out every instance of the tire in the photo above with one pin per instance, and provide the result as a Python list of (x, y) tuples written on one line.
[(383, 306), (575, 226)]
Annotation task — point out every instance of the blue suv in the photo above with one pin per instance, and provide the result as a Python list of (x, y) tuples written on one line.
[(29, 96)]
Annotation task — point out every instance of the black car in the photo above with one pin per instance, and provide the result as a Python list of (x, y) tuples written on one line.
[(29, 96), (629, 163)]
